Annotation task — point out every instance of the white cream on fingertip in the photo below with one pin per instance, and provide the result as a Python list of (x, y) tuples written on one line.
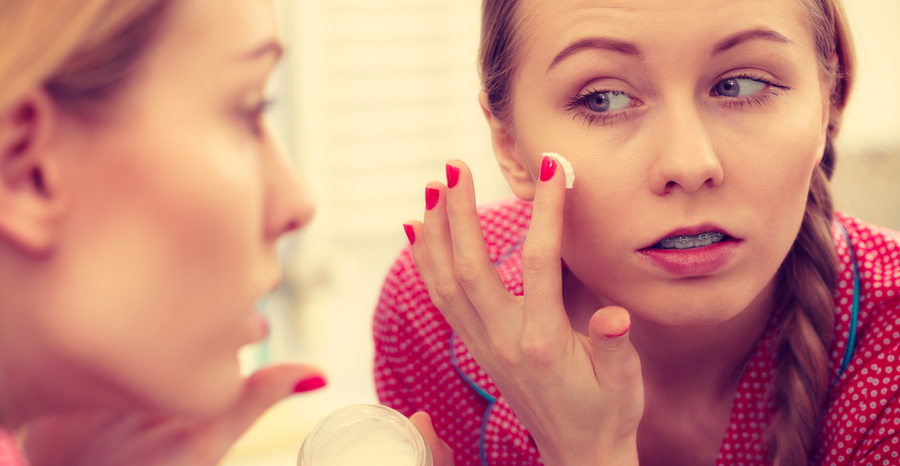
[(566, 166)]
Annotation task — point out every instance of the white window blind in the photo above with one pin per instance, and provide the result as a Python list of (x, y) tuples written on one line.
[(374, 97)]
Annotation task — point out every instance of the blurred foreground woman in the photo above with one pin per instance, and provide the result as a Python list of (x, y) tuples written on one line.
[(141, 197)]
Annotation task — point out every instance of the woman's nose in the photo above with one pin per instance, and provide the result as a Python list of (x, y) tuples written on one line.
[(289, 203), (685, 158)]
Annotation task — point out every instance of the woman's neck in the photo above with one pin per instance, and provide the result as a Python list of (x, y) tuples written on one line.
[(689, 361)]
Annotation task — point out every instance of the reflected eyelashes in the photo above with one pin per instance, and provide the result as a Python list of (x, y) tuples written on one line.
[(602, 107), (765, 88), (607, 106), (254, 115)]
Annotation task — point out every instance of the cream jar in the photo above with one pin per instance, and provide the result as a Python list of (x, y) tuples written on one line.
[(370, 435)]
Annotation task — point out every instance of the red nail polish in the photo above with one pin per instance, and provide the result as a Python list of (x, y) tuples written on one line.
[(548, 168), (410, 233), (431, 198), (309, 384), (452, 176), (618, 334)]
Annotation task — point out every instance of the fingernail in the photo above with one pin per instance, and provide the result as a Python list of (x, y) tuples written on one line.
[(431, 198), (309, 384), (619, 334), (548, 168), (452, 176), (410, 233)]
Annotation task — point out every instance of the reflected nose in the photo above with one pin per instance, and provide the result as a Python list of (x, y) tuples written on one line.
[(289, 202), (685, 157)]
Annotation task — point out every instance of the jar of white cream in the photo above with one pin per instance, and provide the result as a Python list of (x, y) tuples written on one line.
[(369, 435)]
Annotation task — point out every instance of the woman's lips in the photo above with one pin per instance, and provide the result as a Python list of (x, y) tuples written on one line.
[(260, 326), (706, 238), (695, 260), (693, 251)]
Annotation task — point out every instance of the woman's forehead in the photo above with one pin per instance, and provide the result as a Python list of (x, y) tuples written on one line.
[(550, 26), (224, 27)]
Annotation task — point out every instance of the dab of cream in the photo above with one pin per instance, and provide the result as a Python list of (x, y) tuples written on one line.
[(566, 166)]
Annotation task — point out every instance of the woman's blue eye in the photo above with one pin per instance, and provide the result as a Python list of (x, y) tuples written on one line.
[(739, 87), (606, 101)]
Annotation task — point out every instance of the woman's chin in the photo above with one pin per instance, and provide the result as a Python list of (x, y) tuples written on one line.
[(210, 392)]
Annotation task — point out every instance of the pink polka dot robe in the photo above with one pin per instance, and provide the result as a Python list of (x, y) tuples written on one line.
[(420, 364)]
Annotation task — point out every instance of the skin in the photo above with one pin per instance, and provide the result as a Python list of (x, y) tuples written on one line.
[(682, 157), (159, 224), (678, 154)]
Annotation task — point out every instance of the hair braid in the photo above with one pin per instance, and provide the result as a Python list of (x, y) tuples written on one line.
[(809, 273), (806, 283)]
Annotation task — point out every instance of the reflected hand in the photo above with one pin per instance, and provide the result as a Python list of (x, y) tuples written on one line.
[(141, 439), (580, 397)]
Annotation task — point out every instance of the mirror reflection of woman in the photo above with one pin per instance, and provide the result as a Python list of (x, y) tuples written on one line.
[(690, 300)]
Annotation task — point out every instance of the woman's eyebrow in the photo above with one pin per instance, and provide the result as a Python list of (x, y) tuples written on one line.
[(631, 50), (601, 43), (744, 36), (272, 47)]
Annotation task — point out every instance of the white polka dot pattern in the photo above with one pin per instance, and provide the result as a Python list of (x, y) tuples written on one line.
[(421, 365)]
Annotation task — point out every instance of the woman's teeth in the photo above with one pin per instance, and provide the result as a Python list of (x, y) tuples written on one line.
[(688, 242)]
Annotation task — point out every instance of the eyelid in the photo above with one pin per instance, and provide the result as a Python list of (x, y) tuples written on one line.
[(759, 99), (752, 76), (252, 114)]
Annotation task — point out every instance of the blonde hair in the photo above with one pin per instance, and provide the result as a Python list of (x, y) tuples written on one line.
[(807, 276), (81, 51)]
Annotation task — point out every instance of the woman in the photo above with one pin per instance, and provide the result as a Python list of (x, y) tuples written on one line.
[(141, 198), (703, 308)]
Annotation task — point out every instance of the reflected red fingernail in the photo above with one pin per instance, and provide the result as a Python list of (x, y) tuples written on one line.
[(312, 383), (548, 168), (431, 198), (410, 233), (452, 176), (619, 334)]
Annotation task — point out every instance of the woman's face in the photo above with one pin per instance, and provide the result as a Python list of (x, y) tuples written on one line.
[(175, 203), (700, 119)]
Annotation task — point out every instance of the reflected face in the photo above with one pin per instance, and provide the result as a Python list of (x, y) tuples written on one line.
[(691, 125), (176, 203)]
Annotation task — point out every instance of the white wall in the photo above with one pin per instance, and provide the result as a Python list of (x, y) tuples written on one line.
[(873, 116), (867, 180)]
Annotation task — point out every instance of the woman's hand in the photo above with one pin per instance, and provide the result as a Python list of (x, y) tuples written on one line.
[(141, 439), (441, 454), (580, 397)]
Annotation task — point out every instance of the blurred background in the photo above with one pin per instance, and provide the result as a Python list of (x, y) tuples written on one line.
[(373, 98)]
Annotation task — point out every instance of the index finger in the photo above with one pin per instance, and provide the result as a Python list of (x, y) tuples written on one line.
[(541, 253)]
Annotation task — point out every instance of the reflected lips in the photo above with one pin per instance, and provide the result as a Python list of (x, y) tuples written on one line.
[(692, 252)]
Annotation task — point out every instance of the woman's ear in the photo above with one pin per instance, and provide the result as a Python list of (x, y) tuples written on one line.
[(506, 149), (828, 97), (30, 203)]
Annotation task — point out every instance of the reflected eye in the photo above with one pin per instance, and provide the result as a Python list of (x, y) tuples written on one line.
[(601, 106), (739, 87), (254, 115), (606, 101)]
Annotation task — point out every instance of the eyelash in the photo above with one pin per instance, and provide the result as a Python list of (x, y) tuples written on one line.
[(590, 118), (756, 100), (254, 115)]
